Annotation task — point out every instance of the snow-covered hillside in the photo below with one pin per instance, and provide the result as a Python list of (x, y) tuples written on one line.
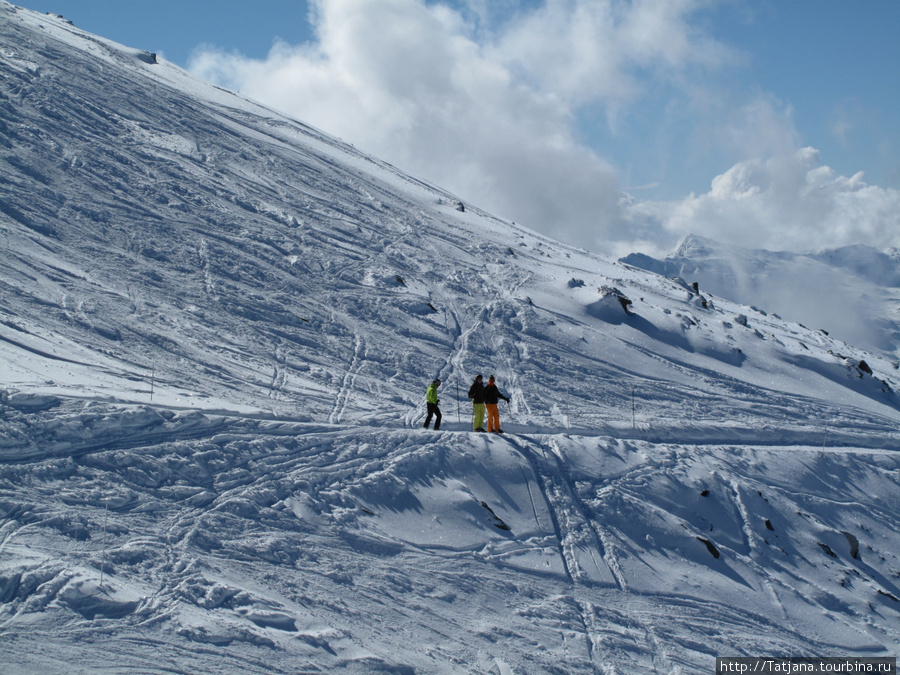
[(216, 330), (852, 292)]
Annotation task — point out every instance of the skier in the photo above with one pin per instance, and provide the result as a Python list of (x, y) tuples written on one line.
[(492, 397), (476, 393), (432, 400)]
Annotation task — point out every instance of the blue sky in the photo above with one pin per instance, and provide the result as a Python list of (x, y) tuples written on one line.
[(688, 106)]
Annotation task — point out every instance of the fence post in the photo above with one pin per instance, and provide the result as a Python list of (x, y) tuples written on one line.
[(103, 541)]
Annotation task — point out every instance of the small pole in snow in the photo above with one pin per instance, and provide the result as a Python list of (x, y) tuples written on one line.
[(458, 414), (152, 377), (103, 541), (632, 408)]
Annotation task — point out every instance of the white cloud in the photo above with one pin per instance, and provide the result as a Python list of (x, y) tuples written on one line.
[(489, 111), (585, 50), (787, 202), (492, 120), (762, 127)]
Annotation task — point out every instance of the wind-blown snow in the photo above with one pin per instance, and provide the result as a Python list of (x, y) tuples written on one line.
[(853, 292), (217, 328)]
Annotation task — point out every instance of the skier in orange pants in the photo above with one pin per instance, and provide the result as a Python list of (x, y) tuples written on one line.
[(492, 397)]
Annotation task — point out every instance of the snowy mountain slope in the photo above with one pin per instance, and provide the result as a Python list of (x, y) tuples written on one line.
[(217, 325), (853, 292), (259, 546), (156, 225)]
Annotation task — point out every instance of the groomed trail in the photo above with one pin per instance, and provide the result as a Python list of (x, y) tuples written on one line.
[(242, 543)]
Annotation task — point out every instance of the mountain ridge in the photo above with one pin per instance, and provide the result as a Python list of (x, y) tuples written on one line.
[(852, 291)]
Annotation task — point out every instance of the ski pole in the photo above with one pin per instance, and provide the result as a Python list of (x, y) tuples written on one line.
[(103, 561)]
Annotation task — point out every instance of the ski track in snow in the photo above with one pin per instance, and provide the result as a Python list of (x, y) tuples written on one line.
[(343, 396)]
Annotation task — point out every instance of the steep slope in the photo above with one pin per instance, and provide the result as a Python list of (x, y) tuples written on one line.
[(154, 221), (216, 328)]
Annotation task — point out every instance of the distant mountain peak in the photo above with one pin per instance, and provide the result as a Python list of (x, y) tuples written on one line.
[(695, 246)]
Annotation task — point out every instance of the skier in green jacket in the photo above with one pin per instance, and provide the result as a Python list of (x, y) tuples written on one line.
[(432, 400)]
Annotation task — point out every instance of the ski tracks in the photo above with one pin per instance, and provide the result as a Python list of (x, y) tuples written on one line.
[(584, 548), (342, 399), (279, 373)]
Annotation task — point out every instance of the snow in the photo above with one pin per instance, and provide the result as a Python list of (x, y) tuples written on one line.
[(853, 292), (217, 328)]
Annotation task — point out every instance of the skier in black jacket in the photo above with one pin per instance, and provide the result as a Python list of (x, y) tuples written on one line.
[(476, 393), (492, 397)]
